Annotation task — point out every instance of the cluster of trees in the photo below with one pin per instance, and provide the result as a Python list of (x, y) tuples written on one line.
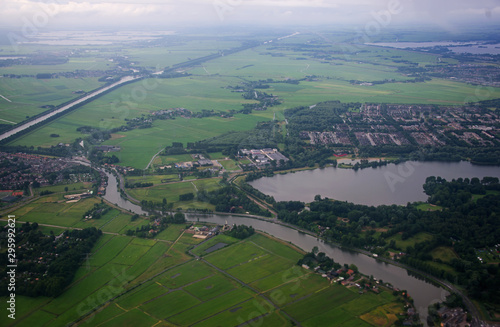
[(186, 196), (256, 193), (46, 264), (439, 190), (97, 211), (57, 151), (100, 157), (320, 118), (301, 155), (241, 231), (156, 225), (264, 135), (259, 174), (364, 163), (138, 184), (153, 205), (231, 199), (466, 225), (315, 259)]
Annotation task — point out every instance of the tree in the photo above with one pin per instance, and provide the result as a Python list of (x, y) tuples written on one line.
[(179, 218)]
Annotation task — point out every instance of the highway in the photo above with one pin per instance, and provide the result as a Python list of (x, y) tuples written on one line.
[(64, 108)]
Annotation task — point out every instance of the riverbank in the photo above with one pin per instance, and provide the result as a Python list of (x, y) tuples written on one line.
[(306, 239)]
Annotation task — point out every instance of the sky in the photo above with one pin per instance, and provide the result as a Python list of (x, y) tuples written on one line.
[(169, 14)]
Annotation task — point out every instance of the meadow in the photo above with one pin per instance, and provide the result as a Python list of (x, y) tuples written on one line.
[(28, 95), (171, 192), (403, 244), (155, 281), (207, 89)]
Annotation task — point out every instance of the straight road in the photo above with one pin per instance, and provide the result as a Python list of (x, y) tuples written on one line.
[(66, 107)]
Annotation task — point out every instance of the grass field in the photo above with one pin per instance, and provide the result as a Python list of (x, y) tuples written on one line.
[(162, 160), (208, 91), (420, 237), (383, 316), (200, 250), (155, 179), (172, 191), (444, 253), (28, 95), (157, 282), (229, 165), (429, 207)]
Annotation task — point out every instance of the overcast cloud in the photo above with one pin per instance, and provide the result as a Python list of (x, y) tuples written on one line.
[(169, 14)]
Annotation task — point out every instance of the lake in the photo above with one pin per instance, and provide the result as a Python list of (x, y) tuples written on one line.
[(474, 47), (401, 177), (391, 184)]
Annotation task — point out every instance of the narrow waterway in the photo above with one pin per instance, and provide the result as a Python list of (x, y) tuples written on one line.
[(422, 292), (113, 196)]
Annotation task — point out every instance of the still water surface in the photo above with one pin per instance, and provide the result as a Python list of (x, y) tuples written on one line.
[(399, 184), (391, 184)]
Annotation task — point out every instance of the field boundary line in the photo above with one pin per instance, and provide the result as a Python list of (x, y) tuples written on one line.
[(100, 228), (289, 281), (8, 121), (271, 252)]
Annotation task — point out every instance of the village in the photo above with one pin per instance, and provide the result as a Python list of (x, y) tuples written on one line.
[(19, 172), (424, 125)]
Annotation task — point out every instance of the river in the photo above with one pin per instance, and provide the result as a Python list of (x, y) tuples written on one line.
[(422, 292), (391, 184), (113, 196)]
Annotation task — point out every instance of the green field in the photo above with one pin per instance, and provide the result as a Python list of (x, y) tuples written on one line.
[(156, 281), (163, 160), (403, 244), (79, 187), (207, 88), (444, 253), (171, 192), (155, 179), (229, 165), (28, 95)]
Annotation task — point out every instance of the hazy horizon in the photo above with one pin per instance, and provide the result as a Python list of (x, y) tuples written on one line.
[(452, 16)]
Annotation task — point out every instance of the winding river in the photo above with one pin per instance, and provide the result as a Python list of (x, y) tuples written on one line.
[(422, 292)]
